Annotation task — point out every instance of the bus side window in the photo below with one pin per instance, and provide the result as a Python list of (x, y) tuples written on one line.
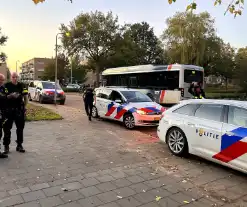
[(133, 81)]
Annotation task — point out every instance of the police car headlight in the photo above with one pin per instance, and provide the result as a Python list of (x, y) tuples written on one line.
[(141, 112)]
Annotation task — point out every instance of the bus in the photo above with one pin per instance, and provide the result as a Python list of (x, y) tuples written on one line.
[(165, 84)]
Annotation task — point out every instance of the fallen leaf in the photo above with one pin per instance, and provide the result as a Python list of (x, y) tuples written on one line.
[(157, 198)]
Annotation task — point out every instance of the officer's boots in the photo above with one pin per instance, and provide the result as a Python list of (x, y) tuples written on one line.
[(2, 155), (20, 148), (6, 149)]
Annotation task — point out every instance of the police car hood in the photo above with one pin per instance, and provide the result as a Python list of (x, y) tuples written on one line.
[(142, 105)]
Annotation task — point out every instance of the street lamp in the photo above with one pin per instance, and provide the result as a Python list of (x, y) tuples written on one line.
[(16, 65), (55, 95)]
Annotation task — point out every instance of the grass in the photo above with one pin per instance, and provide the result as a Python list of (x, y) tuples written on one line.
[(39, 113)]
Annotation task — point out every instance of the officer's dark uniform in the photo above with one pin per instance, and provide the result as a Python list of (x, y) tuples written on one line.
[(15, 112), (3, 100), (196, 90), (88, 102)]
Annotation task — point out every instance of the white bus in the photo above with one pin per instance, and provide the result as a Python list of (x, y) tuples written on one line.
[(165, 84)]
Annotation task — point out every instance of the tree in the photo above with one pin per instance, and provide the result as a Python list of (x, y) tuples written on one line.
[(3, 40), (79, 71), (224, 64), (187, 37), (241, 67), (147, 46), (234, 6), (92, 36), (62, 62)]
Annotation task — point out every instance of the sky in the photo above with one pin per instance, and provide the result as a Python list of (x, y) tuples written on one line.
[(32, 28)]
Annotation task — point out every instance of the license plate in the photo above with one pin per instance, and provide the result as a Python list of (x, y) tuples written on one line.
[(156, 118)]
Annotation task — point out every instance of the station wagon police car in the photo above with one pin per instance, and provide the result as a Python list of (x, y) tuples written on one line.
[(213, 129), (129, 106)]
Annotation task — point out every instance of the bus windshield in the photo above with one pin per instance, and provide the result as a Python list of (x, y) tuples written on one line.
[(135, 96), (193, 76)]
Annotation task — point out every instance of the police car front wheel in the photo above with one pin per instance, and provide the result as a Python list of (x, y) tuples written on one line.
[(177, 142), (129, 121)]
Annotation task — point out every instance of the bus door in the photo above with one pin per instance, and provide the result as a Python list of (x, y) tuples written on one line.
[(190, 75)]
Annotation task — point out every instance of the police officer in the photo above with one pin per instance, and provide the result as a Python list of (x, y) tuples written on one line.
[(16, 109), (3, 99), (196, 90), (88, 102)]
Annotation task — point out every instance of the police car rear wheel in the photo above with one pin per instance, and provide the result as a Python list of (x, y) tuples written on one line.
[(177, 142), (41, 99), (129, 121), (94, 112)]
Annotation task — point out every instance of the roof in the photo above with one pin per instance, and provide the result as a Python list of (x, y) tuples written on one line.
[(217, 101), (147, 68)]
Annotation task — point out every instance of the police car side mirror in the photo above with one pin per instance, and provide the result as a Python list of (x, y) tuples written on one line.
[(118, 101)]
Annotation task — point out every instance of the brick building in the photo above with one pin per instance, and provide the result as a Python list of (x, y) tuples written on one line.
[(34, 69)]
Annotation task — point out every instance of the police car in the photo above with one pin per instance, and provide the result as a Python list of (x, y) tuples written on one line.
[(129, 106), (213, 129)]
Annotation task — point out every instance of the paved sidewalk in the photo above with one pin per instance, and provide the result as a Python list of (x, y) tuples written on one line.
[(82, 164)]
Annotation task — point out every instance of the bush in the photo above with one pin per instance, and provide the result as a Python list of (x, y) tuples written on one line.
[(232, 96)]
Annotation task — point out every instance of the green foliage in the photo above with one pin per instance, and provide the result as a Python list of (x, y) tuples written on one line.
[(62, 62), (191, 39), (79, 71), (92, 35), (241, 67), (3, 40), (235, 7), (188, 37)]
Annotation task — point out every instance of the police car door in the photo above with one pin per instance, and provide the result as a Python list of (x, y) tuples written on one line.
[(205, 129), (31, 90), (233, 147), (115, 109), (104, 103)]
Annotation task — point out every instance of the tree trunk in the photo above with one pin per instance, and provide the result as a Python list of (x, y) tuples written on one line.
[(97, 72), (226, 84)]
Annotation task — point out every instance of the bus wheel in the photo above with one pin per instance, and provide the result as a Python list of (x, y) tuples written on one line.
[(129, 121)]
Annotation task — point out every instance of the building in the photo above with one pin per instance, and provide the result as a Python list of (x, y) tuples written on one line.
[(4, 69), (34, 69)]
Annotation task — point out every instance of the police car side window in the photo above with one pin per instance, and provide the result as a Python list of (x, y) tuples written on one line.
[(188, 109), (210, 111), (237, 116)]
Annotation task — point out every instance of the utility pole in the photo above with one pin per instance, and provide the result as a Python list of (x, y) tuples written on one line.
[(16, 63)]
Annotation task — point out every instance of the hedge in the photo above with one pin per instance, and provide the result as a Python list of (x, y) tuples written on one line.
[(232, 96)]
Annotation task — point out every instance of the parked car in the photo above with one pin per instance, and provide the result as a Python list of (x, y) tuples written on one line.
[(213, 129), (129, 106), (44, 91), (73, 86)]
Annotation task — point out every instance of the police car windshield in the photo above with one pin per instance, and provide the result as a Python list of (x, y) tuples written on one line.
[(50, 85), (135, 96)]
